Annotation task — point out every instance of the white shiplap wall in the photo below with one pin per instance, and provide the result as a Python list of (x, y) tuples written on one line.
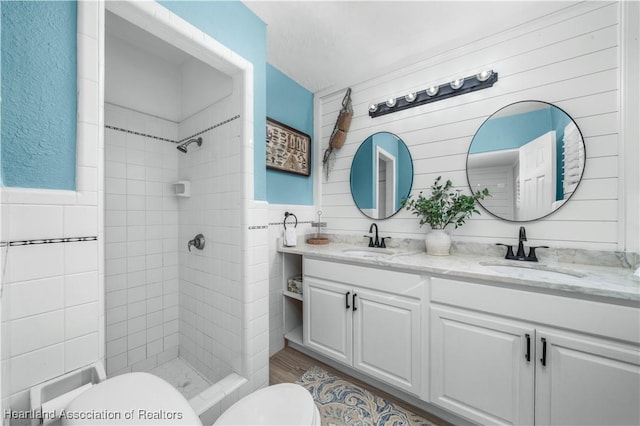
[(570, 59)]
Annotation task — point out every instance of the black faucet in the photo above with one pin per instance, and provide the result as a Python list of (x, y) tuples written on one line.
[(522, 236), (375, 241)]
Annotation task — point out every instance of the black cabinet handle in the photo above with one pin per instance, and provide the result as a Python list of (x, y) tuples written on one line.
[(543, 360), (355, 308), (346, 300), (527, 355)]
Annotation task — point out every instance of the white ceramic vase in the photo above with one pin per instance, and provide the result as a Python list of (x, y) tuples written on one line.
[(438, 242)]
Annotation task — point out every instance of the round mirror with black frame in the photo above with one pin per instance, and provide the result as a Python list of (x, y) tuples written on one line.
[(381, 175), (531, 157)]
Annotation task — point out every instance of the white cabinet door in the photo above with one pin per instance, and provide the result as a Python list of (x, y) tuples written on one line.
[(386, 335), (328, 319), (586, 381), (479, 366)]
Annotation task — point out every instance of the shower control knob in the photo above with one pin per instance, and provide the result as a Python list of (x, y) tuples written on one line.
[(197, 242)]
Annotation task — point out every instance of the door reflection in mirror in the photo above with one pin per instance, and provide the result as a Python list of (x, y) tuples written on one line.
[(531, 156), (381, 175)]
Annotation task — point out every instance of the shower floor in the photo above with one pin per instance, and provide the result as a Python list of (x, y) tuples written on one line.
[(182, 376)]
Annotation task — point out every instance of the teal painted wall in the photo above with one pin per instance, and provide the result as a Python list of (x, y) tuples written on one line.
[(511, 132), (1, 182), (38, 113), (235, 26), (290, 104), (39, 106)]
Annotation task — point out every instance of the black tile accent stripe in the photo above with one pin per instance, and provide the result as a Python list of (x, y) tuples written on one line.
[(251, 228), (47, 241), (299, 222), (210, 128), (139, 134), (159, 138)]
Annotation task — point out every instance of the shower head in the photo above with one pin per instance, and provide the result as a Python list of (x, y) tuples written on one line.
[(183, 147)]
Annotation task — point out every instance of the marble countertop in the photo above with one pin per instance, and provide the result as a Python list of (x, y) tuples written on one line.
[(603, 283)]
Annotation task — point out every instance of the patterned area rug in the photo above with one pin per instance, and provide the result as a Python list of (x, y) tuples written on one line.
[(343, 403)]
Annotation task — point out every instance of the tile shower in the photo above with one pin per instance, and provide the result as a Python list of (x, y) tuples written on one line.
[(163, 300), (171, 311)]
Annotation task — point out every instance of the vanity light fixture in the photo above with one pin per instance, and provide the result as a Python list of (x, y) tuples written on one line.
[(484, 75), (410, 97), (457, 83), (460, 86)]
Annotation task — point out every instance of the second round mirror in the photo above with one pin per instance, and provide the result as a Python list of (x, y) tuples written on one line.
[(531, 156)]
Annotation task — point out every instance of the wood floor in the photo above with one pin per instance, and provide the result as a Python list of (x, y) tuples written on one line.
[(288, 365)]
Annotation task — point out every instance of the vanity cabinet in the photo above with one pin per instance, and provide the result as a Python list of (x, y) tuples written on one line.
[(482, 367), (365, 318), (328, 319), (586, 380), (504, 356)]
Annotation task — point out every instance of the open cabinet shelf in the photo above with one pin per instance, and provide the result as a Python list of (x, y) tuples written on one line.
[(295, 335), (292, 302)]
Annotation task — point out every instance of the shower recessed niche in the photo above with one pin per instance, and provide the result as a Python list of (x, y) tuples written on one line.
[(182, 188)]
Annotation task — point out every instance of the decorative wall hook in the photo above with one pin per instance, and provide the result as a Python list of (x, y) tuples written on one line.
[(435, 93)]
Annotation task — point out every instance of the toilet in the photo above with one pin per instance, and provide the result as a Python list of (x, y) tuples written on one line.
[(131, 399), (145, 399), (282, 404)]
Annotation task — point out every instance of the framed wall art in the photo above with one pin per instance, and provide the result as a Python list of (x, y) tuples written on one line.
[(288, 149)]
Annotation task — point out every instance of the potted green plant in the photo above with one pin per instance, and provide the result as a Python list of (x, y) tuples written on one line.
[(445, 206)]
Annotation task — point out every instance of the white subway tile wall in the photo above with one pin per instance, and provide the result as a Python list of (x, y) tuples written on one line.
[(141, 296), (210, 279), (161, 299)]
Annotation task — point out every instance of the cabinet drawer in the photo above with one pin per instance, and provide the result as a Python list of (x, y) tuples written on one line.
[(604, 319), (401, 283)]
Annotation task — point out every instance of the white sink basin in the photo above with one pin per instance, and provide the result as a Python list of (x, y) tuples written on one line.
[(535, 271), (368, 252)]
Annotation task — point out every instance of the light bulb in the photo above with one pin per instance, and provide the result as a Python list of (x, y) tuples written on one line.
[(433, 90), (410, 97), (391, 102), (484, 75), (457, 83), (373, 107)]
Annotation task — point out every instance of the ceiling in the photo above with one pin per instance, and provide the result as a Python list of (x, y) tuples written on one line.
[(328, 45), (124, 30)]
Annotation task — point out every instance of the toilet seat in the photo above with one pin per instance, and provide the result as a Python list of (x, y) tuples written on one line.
[(131, 399), (282, 404)]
